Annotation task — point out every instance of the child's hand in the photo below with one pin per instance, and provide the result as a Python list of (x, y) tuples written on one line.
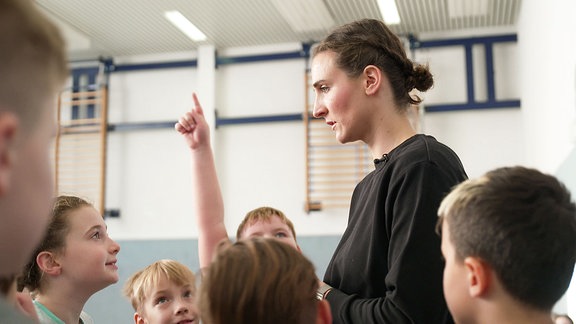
[(194, 127)]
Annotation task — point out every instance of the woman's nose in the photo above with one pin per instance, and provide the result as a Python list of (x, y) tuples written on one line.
[(319, 110)]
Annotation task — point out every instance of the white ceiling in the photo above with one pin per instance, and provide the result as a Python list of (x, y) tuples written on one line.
[(133, 27)]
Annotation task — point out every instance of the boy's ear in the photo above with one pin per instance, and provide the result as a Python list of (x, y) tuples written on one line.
[(8, 129), (372, 79), (323, 315), (138, 319), (48, 263), (478, 276)]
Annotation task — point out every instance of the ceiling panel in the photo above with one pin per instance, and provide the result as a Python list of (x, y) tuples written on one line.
[(132, 27)]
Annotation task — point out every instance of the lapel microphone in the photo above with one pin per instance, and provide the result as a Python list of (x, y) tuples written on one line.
[(384, 158)]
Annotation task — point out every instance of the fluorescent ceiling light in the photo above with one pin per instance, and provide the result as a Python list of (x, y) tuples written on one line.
[(467, 8), (185, 25), (305, 15), (389, 11)]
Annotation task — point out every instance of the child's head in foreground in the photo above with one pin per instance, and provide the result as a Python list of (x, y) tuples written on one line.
[(163, 292), (260, 281), (513, 229), (268, 222), (33, 68)]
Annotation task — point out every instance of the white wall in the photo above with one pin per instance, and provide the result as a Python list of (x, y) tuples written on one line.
[(484, 139), (547, 47), (148, 175), (547, 54)]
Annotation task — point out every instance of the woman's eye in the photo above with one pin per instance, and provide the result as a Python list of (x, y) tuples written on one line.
[(96, 235), (281, 235)]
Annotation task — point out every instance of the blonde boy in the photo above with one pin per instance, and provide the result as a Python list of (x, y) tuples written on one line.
[(163, 292), (509, 240)]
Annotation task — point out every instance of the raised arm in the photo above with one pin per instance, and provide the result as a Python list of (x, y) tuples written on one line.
[(206, 195)]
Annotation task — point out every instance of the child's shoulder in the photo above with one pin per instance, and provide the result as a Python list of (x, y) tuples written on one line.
[(45, 316)]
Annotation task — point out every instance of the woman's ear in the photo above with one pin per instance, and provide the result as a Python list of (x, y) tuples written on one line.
[(478, 276), (372, 79), (48, 264), (8, 129), (323, 315)]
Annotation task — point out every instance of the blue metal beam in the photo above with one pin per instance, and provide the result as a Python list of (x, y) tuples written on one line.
[(220, 60), (122, 127), (474, 105), (261, 58), (152, 66), (468, 43), (490, 87), (257, 119), (469, 73), (416, 44)]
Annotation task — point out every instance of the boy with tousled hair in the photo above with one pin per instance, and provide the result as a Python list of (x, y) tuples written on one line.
[(509, 240), (262, 214), (163, 292)]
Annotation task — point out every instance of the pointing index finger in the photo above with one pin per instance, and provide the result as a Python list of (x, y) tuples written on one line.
[(197, 105)]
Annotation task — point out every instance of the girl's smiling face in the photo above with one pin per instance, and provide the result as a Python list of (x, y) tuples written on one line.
[(88, 259)]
